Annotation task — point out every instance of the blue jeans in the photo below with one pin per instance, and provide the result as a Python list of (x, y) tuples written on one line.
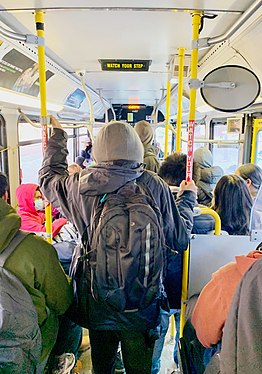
[(159, 344)]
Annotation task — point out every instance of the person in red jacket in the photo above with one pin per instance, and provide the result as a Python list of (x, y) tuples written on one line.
[(31, 208)]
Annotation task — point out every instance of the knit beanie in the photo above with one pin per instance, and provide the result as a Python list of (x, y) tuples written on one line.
[(117, 141), (144, 131)]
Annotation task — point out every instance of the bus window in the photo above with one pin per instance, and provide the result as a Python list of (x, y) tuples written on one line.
[(70, 145), (200, 133), (226, 156), (30, 161), (160, 139), (30, 150)]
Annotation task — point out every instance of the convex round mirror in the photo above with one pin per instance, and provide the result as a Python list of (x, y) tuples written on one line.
[(230, 88)]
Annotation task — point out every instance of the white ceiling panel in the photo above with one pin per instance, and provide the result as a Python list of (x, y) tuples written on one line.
[(78, 38)]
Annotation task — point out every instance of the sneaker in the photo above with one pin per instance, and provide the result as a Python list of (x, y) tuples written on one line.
[(64, 363)]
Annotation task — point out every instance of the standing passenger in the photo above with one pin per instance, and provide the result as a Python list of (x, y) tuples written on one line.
[(145, 133), (34, 262), (252, 174), (118, 153), (209, 175)]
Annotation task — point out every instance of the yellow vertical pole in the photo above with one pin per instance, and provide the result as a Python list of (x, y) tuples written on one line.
[(168, 94), (181, 57), (196, 19), (39, 21), (257, 126)]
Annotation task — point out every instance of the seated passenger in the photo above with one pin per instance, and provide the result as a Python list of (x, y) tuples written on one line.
[(145, 133), (209, 175), (252, 174), (214, 301), (34, 262), (233, 202), (31, 208), (86, 153)]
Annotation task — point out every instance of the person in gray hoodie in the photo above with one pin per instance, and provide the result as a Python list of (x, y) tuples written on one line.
[(209, 175), (118, 153), (145, 133)]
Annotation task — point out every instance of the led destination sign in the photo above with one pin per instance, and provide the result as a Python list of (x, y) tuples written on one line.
[(125, 65)]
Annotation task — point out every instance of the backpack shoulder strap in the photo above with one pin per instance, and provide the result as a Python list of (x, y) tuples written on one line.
[(19, 236)]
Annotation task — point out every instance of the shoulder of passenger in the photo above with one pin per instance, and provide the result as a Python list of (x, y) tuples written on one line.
[(225, 271), (149, 176), (37, 243)]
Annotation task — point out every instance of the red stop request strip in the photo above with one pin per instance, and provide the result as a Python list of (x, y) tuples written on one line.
[(190, 150)]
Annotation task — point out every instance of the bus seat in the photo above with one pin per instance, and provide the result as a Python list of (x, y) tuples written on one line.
[(209, 252)]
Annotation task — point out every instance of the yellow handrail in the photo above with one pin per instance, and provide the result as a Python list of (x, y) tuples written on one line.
[(216, 217), (39, 21), (168, 96), (256, 128), (181, 56), (196, 19)]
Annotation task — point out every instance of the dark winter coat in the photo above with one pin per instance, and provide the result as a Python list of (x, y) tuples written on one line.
[(77, 193), (203, 224), (150, 158), (209, 175), (36, 265)]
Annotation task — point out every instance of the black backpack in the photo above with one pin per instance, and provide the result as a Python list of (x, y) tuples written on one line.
[(20, 337), (122, 259)]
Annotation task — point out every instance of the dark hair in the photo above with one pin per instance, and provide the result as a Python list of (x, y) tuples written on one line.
[(173, 169), (252, 172), (3, 184), (233, 203)]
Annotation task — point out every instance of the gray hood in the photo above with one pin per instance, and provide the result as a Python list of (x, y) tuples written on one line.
[(150, 150), (203, 157), (102, 179)]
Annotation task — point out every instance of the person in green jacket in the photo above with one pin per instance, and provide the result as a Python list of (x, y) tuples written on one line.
[(145, 133), (35, 263)]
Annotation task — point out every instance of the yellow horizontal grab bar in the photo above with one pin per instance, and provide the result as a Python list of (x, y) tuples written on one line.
[(215, 215)]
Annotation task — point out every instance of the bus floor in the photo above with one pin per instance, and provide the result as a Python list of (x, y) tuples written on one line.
[(84, 365)]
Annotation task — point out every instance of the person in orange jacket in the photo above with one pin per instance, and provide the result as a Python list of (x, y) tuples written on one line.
[(214, 301)]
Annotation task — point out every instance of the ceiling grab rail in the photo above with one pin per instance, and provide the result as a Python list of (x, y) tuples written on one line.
[(28, 38), (155, 110), (39, 22), (91, 113), (209, 141), (104, 106), (207, 42), (78, 125)]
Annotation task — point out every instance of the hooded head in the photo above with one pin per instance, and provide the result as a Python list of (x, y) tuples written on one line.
[(117, 141), (26, 195), (144, 131), (203, 157)]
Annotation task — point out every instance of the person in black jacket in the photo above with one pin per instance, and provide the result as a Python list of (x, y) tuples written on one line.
[(118, 153), (173, 171)]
